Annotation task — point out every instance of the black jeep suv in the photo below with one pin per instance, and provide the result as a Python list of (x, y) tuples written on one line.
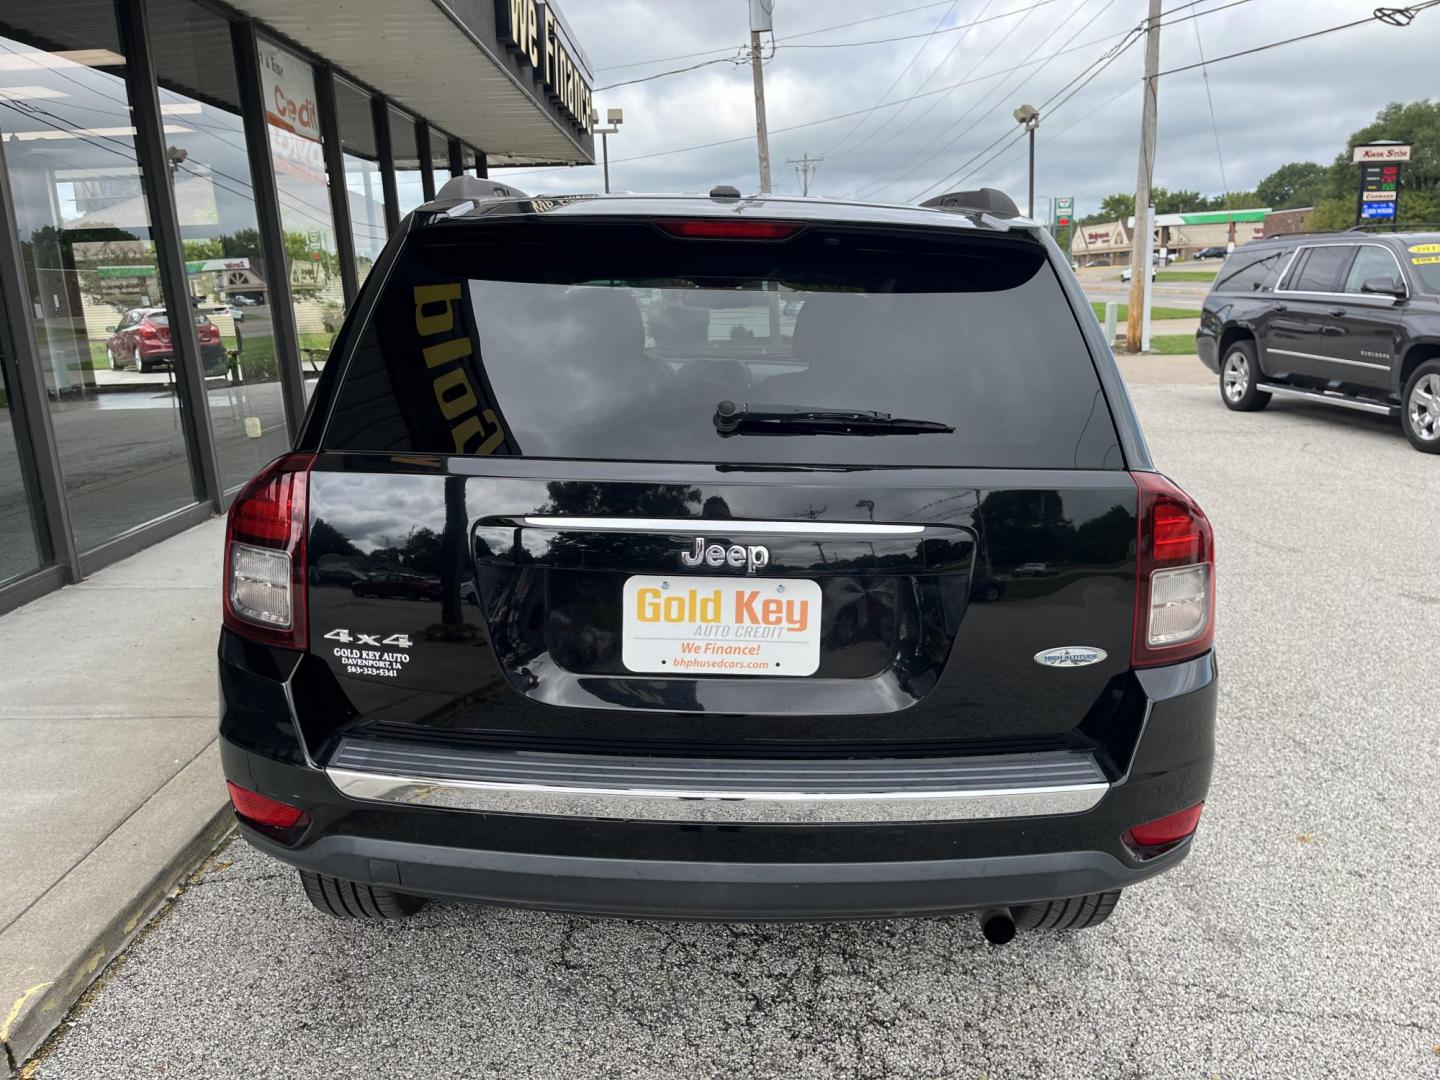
[(1349, 319), (722, 516)]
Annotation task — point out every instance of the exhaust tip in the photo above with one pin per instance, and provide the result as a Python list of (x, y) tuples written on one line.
[(997, 925)]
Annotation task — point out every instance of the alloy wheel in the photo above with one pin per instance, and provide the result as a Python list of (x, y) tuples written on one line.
[(1424, 408), (1237, 375)]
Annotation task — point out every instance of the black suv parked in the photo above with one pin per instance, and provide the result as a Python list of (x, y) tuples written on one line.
[(1349, 319), (727, 514)]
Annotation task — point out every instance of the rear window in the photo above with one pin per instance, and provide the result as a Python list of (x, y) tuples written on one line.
[(1250, 271), (616, 340)]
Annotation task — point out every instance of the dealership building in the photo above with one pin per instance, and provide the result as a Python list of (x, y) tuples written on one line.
[(1108, 244), (242, 164)]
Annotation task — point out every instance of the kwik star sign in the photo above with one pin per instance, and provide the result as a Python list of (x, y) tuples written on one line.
[(1379, 179)]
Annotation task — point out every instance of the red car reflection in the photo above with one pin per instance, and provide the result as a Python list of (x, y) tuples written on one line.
[(141, 341)]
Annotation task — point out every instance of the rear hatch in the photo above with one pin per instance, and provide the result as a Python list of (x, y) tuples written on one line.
[(624, 483)]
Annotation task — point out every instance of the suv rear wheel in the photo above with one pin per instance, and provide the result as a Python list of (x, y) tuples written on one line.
[(1421, 413), (351, 900), (1073, 913), (1238, 373)]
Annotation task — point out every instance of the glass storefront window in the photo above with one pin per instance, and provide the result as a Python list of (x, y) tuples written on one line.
[(91, 274), (20, 549), (215, 203), (409, 187), (439, 156), (363, 184), (287, 86)]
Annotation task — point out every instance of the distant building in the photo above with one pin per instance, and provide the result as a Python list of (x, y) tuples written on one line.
[(1286, 222), (1182, 235)]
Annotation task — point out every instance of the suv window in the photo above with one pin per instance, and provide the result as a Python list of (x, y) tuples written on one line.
[(616, 340), (1250, 271), (1318, 268), (1371, 261)]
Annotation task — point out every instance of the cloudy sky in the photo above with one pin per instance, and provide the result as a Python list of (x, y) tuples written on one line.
[(973, 62)]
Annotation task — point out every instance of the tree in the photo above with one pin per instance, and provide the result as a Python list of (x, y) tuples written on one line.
[(1299, 183)]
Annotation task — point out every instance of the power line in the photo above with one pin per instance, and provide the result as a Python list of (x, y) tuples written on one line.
[(888, 105), (895, 82), (924, 112), (1381, 15), (919, 162), (1214, 125), (789, 37)]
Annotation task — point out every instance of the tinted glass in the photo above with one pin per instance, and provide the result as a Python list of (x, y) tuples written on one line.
[(82, 208), (1371, 261), (1250, 271), (615, 341), (215, 200), (287, 84), (1320, 270), (362, 174), (1424, 255)]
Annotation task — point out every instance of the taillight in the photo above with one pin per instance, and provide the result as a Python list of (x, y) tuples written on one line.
[(1175, 575), (148, 331), (265, 554), (1159, 835), (727, 229)]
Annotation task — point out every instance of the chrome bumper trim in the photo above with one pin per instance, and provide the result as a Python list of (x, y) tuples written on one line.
[(763, 807), (718, 526)]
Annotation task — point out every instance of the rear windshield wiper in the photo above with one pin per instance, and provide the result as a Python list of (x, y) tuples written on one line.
[(733, 419)]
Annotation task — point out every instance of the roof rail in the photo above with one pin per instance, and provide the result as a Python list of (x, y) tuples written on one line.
[(1396, 226), (985, 200)]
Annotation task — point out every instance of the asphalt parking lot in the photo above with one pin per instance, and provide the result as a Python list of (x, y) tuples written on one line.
[(1301, 938)]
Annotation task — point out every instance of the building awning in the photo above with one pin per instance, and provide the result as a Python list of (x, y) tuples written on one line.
[(444, 61)]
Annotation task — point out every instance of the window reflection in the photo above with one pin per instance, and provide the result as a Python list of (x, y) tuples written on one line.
[(287, 86), (219, 227), (362, 174), (101, 322), (20, 549)]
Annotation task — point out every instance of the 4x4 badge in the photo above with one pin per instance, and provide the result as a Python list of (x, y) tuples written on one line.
[(752, 558), (1070, 656)]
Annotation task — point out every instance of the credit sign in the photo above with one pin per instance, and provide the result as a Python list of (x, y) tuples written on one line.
[(720, 626)]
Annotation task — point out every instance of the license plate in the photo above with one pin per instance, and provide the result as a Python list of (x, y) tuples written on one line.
[(721, 626)]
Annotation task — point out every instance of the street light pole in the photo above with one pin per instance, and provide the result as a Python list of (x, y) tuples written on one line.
[(1029, 117), (614, 117)]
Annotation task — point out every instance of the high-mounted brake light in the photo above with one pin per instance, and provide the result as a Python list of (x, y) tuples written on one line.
[(265, 554), (1175, 575), (728, 229)]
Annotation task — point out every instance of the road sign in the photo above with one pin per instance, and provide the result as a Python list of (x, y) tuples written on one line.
[(1064, 211)]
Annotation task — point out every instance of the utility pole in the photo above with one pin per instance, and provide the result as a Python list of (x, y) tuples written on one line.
[(1140, 250), (805, 167), (762, 137)]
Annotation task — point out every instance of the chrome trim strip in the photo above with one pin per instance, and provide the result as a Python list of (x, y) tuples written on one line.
[(1327, 399), (719, 526), (761, 808), (1327, 359)]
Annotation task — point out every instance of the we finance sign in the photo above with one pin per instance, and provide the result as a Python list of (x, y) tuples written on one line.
[(537, 35)]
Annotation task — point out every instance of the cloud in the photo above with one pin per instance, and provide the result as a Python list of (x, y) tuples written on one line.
[(1294, 103)]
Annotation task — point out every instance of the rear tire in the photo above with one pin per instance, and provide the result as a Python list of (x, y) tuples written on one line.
[(351, 900), (1420, 413), (1073, 913), (1239, 373)]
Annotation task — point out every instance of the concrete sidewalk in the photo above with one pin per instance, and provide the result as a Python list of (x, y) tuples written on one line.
[(110, 788)]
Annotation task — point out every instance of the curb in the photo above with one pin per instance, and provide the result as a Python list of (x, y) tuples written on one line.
[(52, 953)]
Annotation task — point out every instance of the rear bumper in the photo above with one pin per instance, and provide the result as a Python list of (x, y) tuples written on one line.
[(1207, 347), (653, 888), (716, 857)]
